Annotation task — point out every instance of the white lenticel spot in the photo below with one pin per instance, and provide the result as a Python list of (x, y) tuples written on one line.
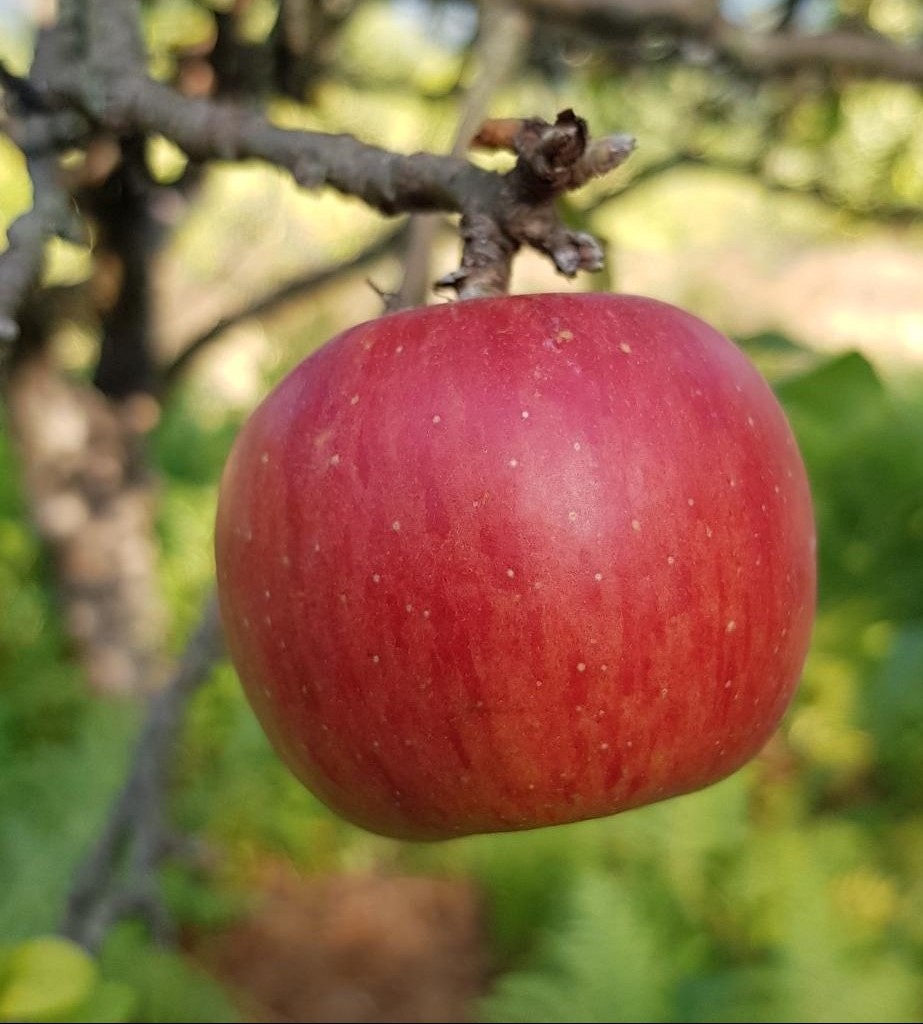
[(264, 458), (598, 577), (728, 684), (334, 460), (603, 668), (408, 607), (671, 560), (572, 516), (730, 627), (625, 347), (604, 746), (635, 525), (524, 414), (396, 526), (286, 561), (316, 548), (354, 400), (690, 502), (375, 659), (426, 613), (267, 594), (581, 666), (511, 573), (664, 691), (437, 418), (576, 446), (399, 349), (376, 578), (751, 422), (513, 463)]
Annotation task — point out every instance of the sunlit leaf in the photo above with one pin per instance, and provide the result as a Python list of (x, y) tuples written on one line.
[(44, 978)]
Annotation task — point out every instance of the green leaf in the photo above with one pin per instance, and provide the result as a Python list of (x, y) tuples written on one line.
[(169, 989), (839, 389), (110, 1002), (45, 978), (607, 961), (894, 711), (52, 803)]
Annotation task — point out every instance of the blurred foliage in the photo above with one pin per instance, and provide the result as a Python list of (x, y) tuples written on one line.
[(792, 891), (52, 979)]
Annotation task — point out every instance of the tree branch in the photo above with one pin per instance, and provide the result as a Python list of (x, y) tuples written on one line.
[(847, 51), (118, 877), (37, 131), (858, 52), (297, 288), (21, 263), (118, 96)]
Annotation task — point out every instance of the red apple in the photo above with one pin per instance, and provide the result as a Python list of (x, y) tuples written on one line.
[(512, 562)]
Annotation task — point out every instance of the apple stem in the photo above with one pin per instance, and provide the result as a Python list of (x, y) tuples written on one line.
[(521, 210)]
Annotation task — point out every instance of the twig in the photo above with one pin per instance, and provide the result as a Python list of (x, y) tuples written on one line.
[(39, 130), (552, 158), (119, 875), (297, 288), (21, 263)]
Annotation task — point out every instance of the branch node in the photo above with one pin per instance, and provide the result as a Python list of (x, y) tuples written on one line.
[(573, 251), (550, 151)]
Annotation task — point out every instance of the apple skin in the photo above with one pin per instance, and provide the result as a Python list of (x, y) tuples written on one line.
[(514, 562)]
